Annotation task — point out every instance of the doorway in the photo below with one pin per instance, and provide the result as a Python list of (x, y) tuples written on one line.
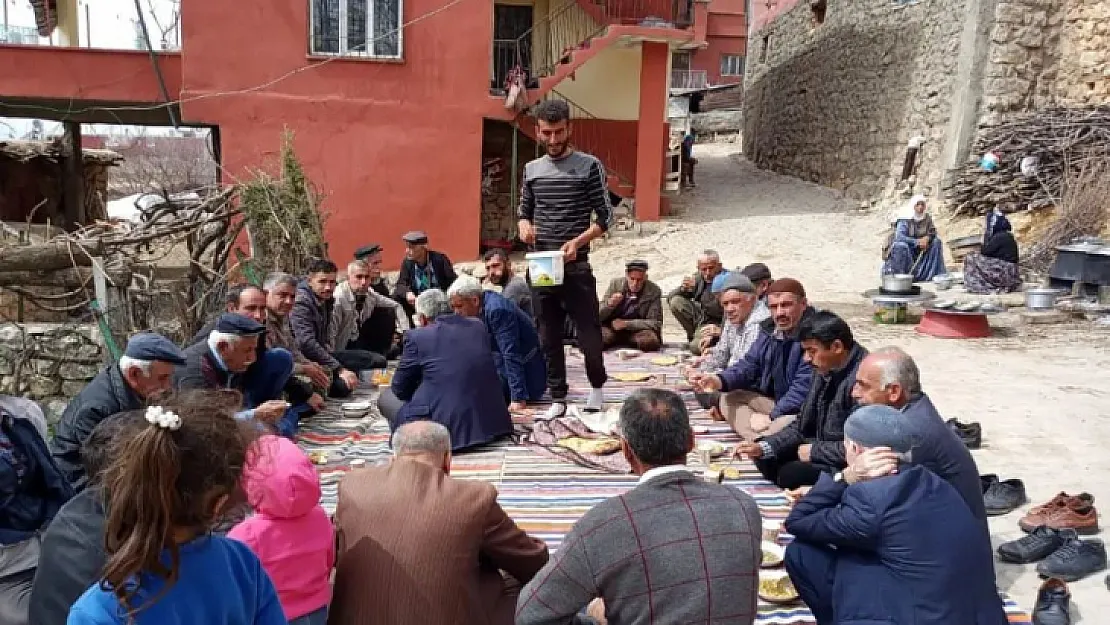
[(512, 42)]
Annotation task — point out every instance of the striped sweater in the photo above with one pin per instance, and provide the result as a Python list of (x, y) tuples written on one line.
[(562, 198)]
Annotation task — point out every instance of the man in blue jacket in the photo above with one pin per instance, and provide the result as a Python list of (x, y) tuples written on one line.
[(763, 392), (901, 548), (447, 375), (513, 339)]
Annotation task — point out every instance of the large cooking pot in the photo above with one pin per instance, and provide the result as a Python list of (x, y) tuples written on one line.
[(898, 282), (1041, 299)]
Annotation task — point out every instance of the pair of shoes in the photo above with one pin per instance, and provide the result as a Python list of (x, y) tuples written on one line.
[(1053, 605), (594, 403), (1002, 496), (1075, 559), (1038, 545), (970, 434), (1064, 511)]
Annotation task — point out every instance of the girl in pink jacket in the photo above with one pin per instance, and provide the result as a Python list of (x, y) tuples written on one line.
[(289, 531)]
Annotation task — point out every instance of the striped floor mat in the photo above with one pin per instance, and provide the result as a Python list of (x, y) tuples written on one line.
[(546, 495)]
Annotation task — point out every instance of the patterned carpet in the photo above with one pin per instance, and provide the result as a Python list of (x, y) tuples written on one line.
[(547, 495)]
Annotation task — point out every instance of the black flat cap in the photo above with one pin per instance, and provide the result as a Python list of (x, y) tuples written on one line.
[(636, 265), (756, 272), (239, 325), (150, 346), (367, 251), (416, 237)]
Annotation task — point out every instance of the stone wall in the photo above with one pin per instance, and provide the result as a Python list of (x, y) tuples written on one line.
[(837, 102), (49, 363)]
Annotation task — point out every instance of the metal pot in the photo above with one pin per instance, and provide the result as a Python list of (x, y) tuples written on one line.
[(1041, 299), (898, 283)]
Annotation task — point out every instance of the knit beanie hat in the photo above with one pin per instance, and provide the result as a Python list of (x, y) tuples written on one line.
[(879, 426), (787, 285), (736, 281)]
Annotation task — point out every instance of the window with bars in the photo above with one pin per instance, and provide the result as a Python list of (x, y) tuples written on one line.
[(358, 28), (732, 65)]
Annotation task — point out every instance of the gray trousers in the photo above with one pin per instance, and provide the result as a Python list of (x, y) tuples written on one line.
[(389, 405)]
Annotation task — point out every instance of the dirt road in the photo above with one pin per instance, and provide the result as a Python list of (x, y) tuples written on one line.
[(1040, 392)]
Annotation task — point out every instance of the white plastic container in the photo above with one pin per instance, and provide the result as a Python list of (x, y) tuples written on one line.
[(545, 268)]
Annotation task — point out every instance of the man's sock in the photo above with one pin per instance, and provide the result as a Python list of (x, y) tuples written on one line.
[(556, 410), (596, 400)]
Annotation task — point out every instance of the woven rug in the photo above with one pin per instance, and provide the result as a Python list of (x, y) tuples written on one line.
[(543, 494)]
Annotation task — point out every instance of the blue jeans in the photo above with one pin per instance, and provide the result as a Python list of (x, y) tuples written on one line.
[(319, 617), (812, 570)]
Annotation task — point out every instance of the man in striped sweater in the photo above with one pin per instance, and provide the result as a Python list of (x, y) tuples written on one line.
[(564, 205)]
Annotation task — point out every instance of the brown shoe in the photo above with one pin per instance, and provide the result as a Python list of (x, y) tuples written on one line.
[(1038, 515), (1082, 518)]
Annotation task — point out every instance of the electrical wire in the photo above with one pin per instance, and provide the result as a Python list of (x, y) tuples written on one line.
[(245, 90)]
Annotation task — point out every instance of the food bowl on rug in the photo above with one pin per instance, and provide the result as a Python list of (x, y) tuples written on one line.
[(777, 588), (773, 555)]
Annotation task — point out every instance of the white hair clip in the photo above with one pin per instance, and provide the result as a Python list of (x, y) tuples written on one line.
[(163, 418)]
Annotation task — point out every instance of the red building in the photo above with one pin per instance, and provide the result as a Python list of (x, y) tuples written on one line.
[(717, 56), (395, 104)]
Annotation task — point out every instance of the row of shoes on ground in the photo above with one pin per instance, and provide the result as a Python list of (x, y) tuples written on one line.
[(1060, 554), (970, 434)]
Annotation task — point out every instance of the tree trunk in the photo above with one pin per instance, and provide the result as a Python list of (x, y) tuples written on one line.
[(72, 278), (48, 256)]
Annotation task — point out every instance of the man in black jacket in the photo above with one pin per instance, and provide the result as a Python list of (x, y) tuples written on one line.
[(421, 270), (145, 371), (814, 443), (72, 553)]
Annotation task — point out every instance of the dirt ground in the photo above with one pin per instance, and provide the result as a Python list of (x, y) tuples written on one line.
[(1040, 392)]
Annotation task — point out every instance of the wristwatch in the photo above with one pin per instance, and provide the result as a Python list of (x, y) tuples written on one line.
[(839, 477)]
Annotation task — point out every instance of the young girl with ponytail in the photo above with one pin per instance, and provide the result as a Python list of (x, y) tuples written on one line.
[(168, 485)]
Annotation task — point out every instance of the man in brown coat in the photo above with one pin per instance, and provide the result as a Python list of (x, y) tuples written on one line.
[(419, 547), (632, 311)]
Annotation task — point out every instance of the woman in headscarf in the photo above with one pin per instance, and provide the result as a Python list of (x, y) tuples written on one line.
[(994, 269), (915, 247)]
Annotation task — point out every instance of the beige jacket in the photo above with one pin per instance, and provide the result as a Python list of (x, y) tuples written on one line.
[(346, 320)]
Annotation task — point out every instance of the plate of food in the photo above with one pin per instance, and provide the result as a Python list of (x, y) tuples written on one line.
[(714, 448), (597, 446), (631, 376), (664, 361), (773, 554), (318, 457), (729, 473), (777, 588)]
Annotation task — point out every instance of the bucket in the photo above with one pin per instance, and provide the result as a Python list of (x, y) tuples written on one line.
[(545, 268), (887, 313)]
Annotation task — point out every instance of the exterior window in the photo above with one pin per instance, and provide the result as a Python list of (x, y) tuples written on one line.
[(357, 28), (732, 65)]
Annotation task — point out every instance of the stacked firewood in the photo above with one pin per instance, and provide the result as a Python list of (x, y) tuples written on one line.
[(1061, 141)]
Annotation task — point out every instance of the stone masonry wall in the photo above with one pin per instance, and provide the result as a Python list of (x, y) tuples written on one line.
[(836, 102), (49, 363)]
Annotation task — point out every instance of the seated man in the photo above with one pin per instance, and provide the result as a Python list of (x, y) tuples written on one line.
[(73, 555), (263, 379), (763, 391), (739, 332), (421, 270), (499, 277), (222, 361), (693, 304), (311, 319), (513, 340), (632, 311), (674, 549), (32, 490), (417, 546), (901, 548), (814, 443), (354, 325), (760, 275), (890, 377), (281, 292), (447, 375), (144, 371)]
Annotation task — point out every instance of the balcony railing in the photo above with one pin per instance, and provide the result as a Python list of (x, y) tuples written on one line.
[(659, 13), (689, 79)]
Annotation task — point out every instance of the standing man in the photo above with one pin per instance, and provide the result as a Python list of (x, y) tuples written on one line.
[(144, 371), (421, 270), (632, 315), (564, 204), (693, 303)]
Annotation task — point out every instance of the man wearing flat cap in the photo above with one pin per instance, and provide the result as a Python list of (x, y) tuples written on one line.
[(144, 372), (902, 547), (221, 362), (421, 270), (632, 311), (372, 255), (760, 275)]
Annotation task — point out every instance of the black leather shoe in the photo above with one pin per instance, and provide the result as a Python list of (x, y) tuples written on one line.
[(1002, 496), (1074, 560), (1053, 604), (970, 434), (1038, 545)]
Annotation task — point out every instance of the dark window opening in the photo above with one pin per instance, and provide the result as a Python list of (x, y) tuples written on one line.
[(764, 47), (818, 7)]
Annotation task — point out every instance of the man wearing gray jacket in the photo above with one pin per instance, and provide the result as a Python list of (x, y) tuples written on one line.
[(674, 549), (355, 304)]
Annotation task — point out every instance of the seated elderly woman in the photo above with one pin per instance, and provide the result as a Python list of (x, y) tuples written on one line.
[(994, 269), (914, 247)]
